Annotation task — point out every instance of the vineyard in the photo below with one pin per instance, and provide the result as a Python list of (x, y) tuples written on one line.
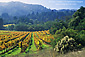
[(15, 42)]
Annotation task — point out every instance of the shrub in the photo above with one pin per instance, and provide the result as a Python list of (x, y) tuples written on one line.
[(66, 44)]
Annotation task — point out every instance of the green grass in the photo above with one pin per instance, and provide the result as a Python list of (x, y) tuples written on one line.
[(45, 46), (33, 47), (15, 52), (12, 52), (28, 48)]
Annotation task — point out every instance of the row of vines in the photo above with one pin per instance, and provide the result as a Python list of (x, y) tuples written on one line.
[(12, 40)]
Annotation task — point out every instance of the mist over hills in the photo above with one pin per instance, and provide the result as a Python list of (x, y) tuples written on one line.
[(19, 8)]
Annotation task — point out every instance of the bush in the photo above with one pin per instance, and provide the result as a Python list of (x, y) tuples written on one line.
[(78, 36), (66, 44), (63, 32)]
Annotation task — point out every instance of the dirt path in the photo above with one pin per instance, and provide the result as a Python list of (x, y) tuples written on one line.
[(50, 53)]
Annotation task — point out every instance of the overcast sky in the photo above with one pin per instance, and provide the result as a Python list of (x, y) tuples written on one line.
[(54, 4)]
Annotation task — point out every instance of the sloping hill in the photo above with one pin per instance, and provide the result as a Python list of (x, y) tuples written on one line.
[(14, 8)]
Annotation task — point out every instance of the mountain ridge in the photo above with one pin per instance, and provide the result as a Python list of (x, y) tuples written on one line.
[(14, 8)]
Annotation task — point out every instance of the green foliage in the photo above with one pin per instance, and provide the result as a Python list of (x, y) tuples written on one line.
[(81, 25), (80, 37), (58, 25), (76, 28), (30, 27), (35, 27), (20, 27), (78, 20), (63, 32)]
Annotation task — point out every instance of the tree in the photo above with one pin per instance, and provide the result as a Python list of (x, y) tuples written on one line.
[(21, 27), (57, 25), (78, 20), (11, 27), (1, 23)]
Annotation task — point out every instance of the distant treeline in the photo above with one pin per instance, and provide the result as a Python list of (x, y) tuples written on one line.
[(36, 18), (35, 21)]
